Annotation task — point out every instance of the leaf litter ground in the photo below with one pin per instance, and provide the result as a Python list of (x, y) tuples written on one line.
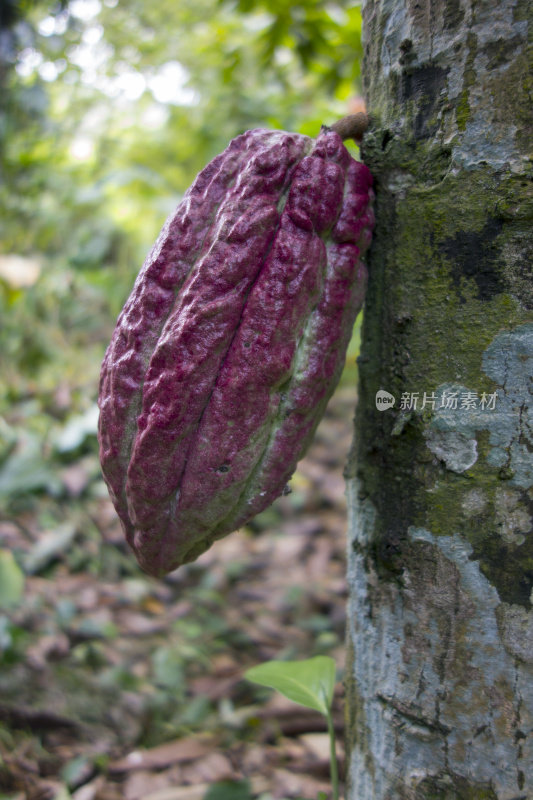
[(115, 685)]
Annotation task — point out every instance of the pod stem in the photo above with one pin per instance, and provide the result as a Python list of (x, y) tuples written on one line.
[(351, 127)]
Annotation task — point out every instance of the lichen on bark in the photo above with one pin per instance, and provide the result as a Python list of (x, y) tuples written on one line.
[(439, 697)]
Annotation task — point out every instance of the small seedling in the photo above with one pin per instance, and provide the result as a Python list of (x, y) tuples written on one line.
[(311, 684)]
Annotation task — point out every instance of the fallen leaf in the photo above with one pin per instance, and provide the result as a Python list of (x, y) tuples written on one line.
[(52, 647), (141, 783), (289, 784), (75, 478), (212, 768), (317, 744), (90, 790), (132, 623), (163, 755), (258, 785)]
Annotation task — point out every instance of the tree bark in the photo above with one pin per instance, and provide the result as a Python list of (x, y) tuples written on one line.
[(440, 620)]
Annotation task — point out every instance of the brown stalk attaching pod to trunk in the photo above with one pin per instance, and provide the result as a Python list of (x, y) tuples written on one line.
[(351, 127), (233, 339)]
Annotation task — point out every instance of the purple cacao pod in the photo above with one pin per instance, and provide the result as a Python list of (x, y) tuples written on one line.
[(232, 341)]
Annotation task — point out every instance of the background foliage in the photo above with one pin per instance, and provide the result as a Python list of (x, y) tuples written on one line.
[(108, 109)]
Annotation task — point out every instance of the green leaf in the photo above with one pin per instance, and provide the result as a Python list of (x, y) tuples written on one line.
[(76, 770), (26, 470), (229, 790), (168, 668), (11, 580), (52, 544), (77, 429), (309, 683)]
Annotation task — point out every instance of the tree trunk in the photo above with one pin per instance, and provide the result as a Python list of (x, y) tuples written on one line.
[(440, 636)]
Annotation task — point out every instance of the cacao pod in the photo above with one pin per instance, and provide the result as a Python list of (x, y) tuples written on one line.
[(232, 341)]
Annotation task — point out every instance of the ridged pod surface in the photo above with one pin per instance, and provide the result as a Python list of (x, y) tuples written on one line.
[(232, 341)]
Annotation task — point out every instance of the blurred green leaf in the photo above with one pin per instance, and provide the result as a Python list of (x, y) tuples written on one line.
[(77, 429), (25, 470), (11, 580), (168, 668), (229, 790), (76, 770), (49, 546)]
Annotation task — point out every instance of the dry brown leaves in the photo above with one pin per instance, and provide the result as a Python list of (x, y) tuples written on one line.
[(77, 710)]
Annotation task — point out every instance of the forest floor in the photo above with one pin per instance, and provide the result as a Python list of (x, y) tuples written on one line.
[(116, 685)]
